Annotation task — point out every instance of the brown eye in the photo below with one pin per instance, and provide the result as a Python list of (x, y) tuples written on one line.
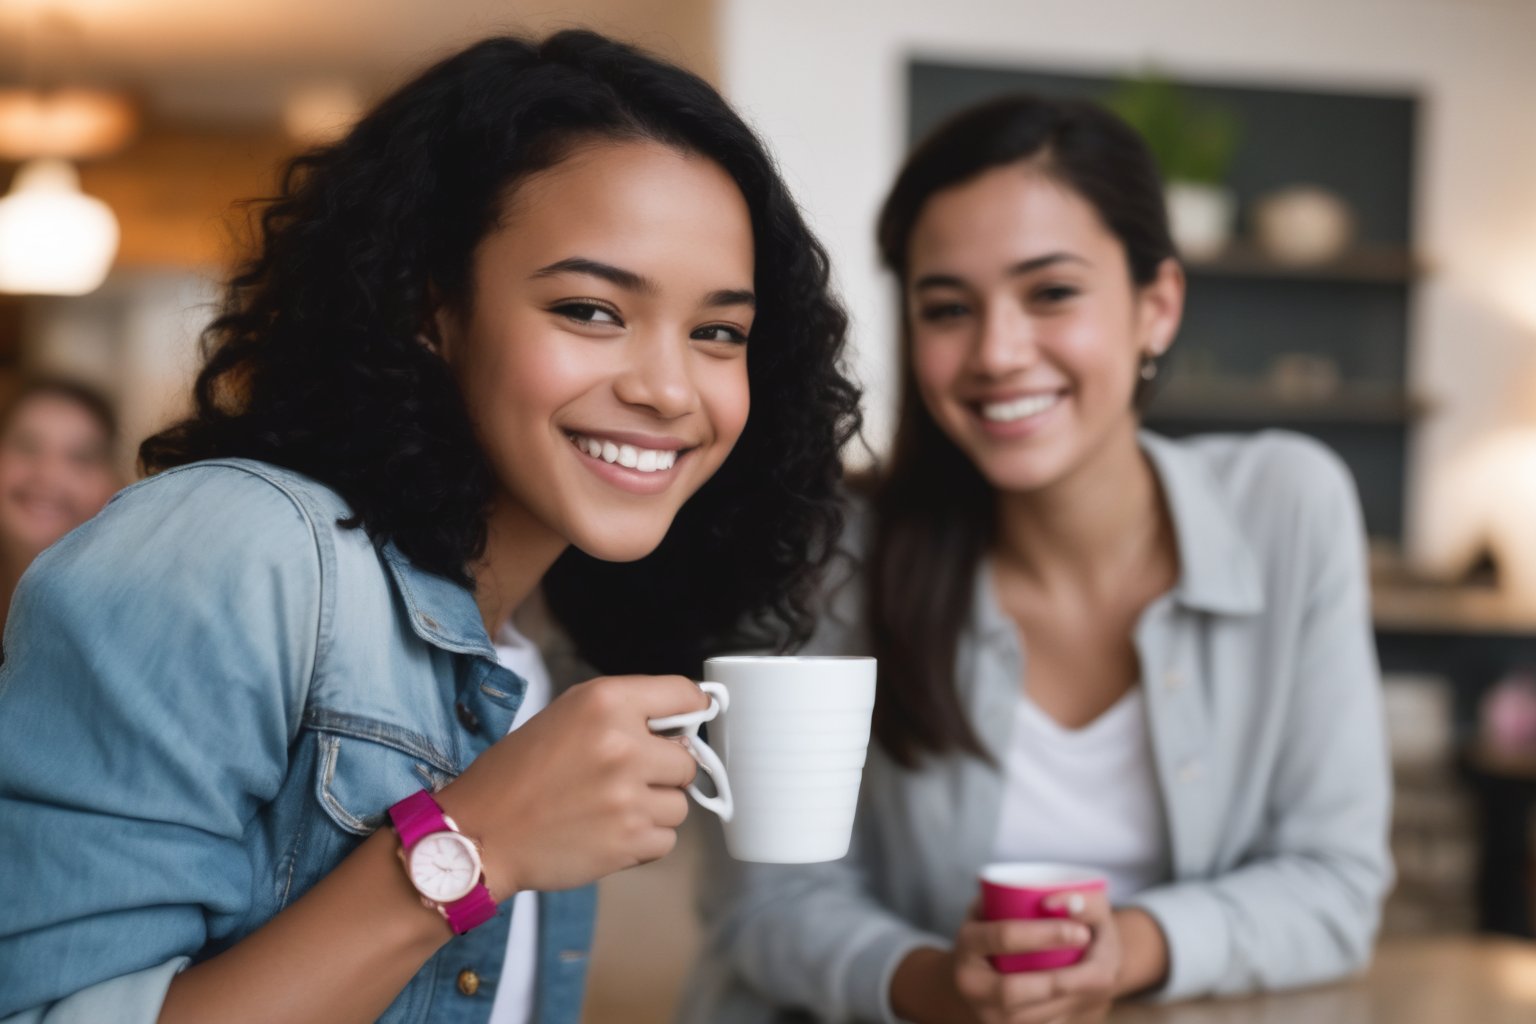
[(719, 332), (588, 313), (941, 311)]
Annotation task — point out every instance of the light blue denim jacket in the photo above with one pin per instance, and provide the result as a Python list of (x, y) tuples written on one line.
[(211, 693)]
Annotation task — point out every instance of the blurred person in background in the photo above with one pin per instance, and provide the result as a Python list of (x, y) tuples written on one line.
[(1149, 658), (56, 446), (501, 340)]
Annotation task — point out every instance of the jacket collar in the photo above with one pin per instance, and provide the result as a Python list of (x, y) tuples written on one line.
[(441, 612), (1217, 569), (1218, 572)]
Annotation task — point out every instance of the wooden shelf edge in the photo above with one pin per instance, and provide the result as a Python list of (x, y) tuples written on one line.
[(1364, 264)]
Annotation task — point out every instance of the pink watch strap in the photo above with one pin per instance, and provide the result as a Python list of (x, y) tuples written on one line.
[(419, 815), (471, 911), (416, 816)]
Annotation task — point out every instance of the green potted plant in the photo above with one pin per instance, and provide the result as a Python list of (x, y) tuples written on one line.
[(1193, 142)]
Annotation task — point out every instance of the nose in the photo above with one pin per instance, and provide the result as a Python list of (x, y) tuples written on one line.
[(1005, 342), (657, 376)]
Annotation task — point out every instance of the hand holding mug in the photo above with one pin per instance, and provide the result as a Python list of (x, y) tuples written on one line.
[(1058, 964), (583, 789)]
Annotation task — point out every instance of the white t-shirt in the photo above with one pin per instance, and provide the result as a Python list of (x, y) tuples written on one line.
[(515, 994), (1086, 797)]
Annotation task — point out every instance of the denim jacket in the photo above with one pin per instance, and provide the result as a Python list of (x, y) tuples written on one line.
[(211, 694)]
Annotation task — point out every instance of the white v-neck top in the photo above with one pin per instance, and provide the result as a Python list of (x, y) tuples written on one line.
[(516, 992), (1085, 796)]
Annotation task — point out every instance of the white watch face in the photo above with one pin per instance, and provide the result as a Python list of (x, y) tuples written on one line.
[(444, 866)]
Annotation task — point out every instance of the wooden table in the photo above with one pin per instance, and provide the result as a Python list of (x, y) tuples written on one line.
[(1440, 981)]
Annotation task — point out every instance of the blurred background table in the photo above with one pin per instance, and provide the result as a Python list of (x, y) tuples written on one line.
[(1428, 981)]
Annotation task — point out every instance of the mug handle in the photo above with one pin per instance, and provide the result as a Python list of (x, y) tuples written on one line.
[(687, 726)]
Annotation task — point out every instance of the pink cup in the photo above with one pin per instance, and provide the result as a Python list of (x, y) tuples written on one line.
[(1014, 892)]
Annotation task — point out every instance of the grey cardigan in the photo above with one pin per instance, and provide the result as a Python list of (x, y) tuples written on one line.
[(1263, 702)]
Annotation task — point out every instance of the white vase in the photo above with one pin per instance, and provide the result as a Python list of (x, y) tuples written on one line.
[(1200, 216)]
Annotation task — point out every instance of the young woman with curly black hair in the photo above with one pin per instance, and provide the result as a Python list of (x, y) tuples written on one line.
[(496, 340)]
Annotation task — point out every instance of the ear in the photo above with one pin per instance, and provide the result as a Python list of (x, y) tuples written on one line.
[(440, 330), (1160, 308)]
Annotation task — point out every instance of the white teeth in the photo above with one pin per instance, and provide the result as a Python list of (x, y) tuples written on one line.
[(644, 460), (1019, 408)]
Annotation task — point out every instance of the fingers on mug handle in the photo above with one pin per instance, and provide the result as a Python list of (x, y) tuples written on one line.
[(689, 721), (722, 803)]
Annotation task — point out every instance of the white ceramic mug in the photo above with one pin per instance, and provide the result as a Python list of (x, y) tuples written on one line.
[(792, 735)]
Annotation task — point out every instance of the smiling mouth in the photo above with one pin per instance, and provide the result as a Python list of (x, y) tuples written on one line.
[(641, 460), (1016, 409)]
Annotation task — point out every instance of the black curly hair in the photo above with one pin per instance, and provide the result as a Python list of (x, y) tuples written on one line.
[(314, 361)]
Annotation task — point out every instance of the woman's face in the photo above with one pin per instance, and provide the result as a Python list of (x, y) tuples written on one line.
[(604, 361), (55, 471), (1027, 331)]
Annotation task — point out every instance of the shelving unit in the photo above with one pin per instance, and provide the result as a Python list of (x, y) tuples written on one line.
[(1370, 264), (1241, 401)]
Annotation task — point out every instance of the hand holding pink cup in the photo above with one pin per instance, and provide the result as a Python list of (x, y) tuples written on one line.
[(1013, 892)]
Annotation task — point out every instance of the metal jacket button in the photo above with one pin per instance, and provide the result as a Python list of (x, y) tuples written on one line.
[(469, 982), (467, 718)]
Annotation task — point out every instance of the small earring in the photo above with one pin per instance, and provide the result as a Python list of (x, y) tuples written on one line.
[(1149, 366), (426, 342)]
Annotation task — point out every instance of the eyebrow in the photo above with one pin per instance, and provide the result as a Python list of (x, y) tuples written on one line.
[(618, 276), (730, 297), (1028, 266), (638, 283)]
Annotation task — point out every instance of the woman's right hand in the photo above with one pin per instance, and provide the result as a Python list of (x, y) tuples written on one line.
[(580, 790)]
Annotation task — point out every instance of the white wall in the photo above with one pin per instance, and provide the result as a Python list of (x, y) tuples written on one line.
[(824, 80)]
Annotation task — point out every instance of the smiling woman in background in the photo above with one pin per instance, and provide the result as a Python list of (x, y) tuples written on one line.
[(1098, 647), (503, 338), (56, 440)]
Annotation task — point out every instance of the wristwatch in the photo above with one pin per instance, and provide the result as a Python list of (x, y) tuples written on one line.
[(442, 863)]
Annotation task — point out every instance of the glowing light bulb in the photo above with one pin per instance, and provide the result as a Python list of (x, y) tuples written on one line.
[(54, 239)]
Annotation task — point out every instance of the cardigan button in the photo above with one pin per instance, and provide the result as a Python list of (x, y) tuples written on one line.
[(469, 982)]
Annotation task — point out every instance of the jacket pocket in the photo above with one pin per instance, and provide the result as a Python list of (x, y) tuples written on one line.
[(365, 766)]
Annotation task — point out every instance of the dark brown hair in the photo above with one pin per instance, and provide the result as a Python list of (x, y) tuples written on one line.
[(933, 510)]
